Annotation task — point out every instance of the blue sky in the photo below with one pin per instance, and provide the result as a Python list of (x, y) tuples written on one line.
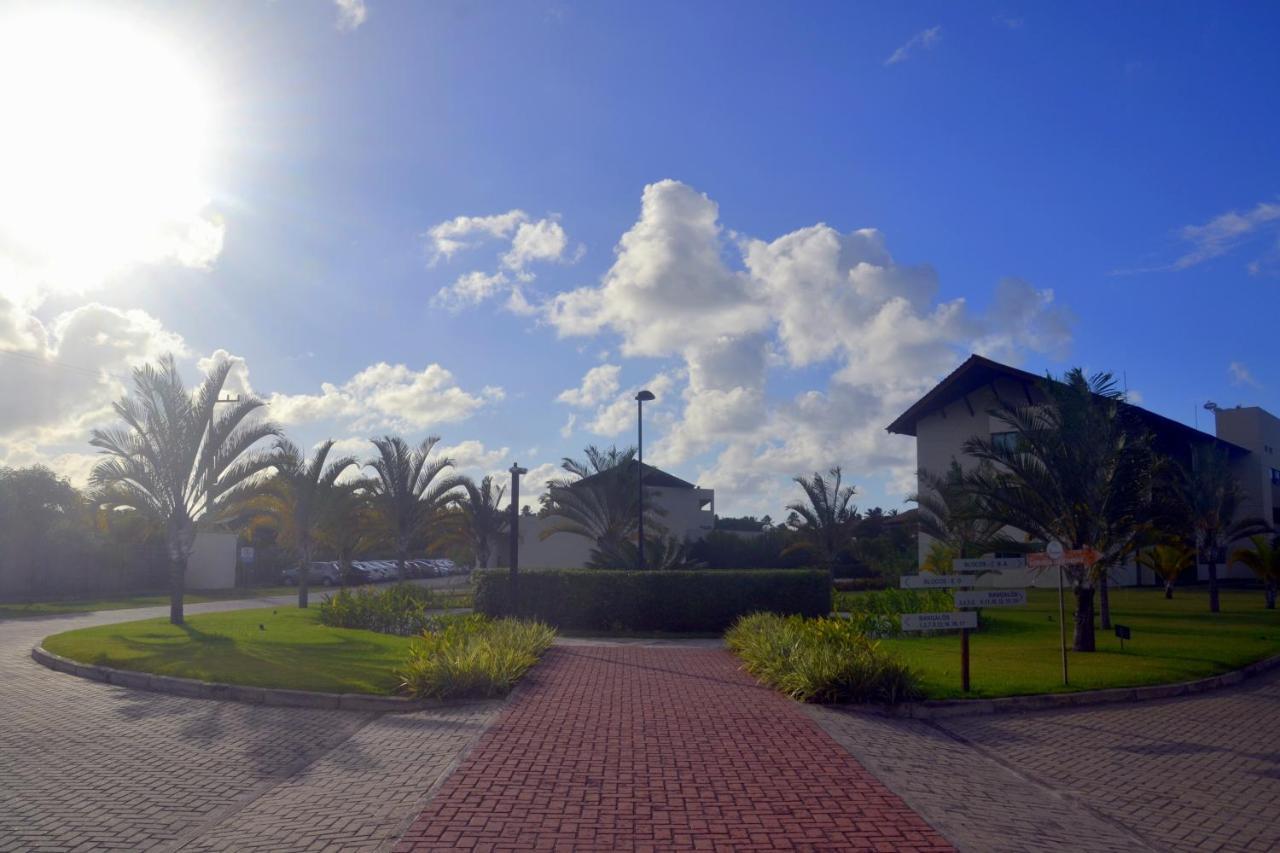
[(677, 193)]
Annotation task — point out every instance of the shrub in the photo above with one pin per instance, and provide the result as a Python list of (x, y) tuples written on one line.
[(469, 656), (876, 613), (401, 609), (859, 584), (820, 660), (683, 601)]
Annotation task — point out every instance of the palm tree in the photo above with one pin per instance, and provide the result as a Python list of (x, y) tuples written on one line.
[(1078, 472), (353, 525), (599, 500), (1264, 559), (1168, 560), (178, 460), (408, 491), (825, 522), (948, 514), (661, 553), (1207, 499), (481, 520), (299, 498)]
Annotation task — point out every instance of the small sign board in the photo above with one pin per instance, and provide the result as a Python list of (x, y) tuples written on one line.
[(1076, 556), (246, 554), (928, 581), (989, 565), (991, 597), (939, 621)]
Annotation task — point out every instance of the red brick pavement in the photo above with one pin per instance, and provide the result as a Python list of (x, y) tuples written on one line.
[(652, 748)]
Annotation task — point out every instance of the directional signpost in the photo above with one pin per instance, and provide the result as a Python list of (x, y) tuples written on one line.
[(966, 575)]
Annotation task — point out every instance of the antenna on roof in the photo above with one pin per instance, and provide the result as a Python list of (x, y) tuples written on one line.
[(1211, 406)]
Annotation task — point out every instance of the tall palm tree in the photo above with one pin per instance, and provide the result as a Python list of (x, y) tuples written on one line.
[(1207, 500), (299, 497), (1264, 560), (482, 521), (409, 489), (1078, 471), (178, 459), (599, 500), (948, 513), (825, 521), (661, 553), (1168, 560)]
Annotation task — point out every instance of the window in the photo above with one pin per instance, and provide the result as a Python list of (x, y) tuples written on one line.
[(1005, 440), (1275, 477)]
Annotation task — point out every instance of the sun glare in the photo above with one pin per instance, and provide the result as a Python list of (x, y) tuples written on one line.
[(104, 146)]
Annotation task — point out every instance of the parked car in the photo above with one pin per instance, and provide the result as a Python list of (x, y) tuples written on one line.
[(321, 574), (444, 568)]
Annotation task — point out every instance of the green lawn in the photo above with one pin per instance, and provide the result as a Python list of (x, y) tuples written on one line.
[(89, 605), (1016, 650), (285, 647)]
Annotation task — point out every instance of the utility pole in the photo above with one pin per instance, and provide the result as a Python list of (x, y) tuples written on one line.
[(516, 471), (641, 398)]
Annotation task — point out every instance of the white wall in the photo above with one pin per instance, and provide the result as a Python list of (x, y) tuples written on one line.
[(213, 562)]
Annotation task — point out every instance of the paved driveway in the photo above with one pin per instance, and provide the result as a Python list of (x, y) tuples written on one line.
[(85, 765)]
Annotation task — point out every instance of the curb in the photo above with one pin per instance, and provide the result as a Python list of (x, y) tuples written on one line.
[(934, 709), (279, 697)]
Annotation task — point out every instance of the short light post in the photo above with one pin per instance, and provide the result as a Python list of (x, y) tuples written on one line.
[(641, 399)]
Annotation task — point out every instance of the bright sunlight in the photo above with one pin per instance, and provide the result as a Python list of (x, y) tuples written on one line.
[(105, 144)]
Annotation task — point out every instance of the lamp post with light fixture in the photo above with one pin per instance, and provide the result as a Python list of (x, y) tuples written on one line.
[(641, 399)]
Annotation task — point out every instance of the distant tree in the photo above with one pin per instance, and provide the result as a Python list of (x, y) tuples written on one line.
[(600, 501), (824, 522), (747, 523), (1168, 560), (178, 459), (481, 518), (409, 489), (37, 509), (352, 525), (950, 514), (300, 497), (1206, 501), (1263, 559), (1078, 471), (660, 553)]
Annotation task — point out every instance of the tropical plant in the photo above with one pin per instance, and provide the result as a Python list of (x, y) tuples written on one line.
[(409, 489), (474, 657), (178, 459), (660, 553), (600, 500), (1263, 559), (1078, 472), (948, 514), (1168, 560), (402, 608), (1206, 500), (820, 660), (300, 498), (352, 525), (481, 520), (824, 523)]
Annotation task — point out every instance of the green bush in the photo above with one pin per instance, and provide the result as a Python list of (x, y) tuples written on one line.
[(859, 584), (820, 660), (876, 613), (402, 609), (678, 601), (469, 656)]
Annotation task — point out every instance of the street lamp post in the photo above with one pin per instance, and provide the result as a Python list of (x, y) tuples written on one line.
[(514, 532), (641, 399)]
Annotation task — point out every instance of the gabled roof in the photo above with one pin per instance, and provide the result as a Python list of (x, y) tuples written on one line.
[(653, 478), (979, 372)]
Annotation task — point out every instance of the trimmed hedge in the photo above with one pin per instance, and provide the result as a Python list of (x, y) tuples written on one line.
[(677, 601)]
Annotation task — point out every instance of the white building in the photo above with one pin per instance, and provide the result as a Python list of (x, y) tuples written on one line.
[(959, 406), (685, 511)]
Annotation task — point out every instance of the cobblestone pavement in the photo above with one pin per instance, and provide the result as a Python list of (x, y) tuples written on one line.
[(643, 748), (85, 765), (1198, 773)]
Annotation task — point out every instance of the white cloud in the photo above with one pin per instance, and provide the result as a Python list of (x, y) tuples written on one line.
[(470, 289), (1240, 375), (567, 429), (812, 297), (466, 232), (386, 396), (598, 384), (543, 240), (237, 380), (1224, 233), (351, 14), (471, 456), (923, 40)]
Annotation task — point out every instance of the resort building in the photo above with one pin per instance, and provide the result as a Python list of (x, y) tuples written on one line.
[(959, 407)]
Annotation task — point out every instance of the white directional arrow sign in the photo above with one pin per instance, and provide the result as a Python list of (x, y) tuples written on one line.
[(939, 621), (991, 597), (928, 581), (987, 565)]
